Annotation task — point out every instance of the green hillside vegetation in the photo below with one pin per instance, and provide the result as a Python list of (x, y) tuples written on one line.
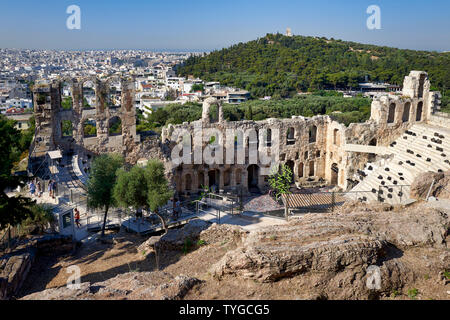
[(344, 110), (280, 66)]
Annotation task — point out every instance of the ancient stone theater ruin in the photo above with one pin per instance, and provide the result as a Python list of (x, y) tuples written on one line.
[(406, 135)]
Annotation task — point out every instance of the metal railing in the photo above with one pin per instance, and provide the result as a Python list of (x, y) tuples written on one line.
[(329, 201)]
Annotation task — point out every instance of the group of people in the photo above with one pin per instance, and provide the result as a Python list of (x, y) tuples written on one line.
[(37, 189)]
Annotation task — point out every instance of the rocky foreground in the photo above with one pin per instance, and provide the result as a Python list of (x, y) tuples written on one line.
[(318, 256)]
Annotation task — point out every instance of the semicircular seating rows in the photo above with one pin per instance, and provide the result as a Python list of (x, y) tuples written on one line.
[(420, 149)]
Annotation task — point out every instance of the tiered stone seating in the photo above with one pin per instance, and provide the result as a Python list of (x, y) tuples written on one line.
[(422, 148)]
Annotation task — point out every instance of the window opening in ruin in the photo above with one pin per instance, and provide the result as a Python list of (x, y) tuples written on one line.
[(406, 111), (421, 85), (300, 170), (89, 128), (115, 126), (419, 111), (290, 140), (67, 128), (253, 174), (89, 95), (311, 168), (334, 174), (312, 134), (66, 96), (391, 115), (114, 96), (336, 137)]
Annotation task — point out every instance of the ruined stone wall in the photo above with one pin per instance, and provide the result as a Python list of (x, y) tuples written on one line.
[(312, 147), (50, 117), (318, 160)]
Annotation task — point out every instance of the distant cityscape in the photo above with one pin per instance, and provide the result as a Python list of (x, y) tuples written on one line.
[(156, 82)]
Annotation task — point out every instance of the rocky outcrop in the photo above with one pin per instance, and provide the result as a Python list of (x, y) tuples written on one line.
[(421, 185), (14, 269), (129, 286), (175, 239), (222, 233), (338, 246)]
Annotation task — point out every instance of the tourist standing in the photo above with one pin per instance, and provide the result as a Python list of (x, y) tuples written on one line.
[(38, 189), (55, 190), (77, 217), (177, 209), (50, 189), (32, 188)]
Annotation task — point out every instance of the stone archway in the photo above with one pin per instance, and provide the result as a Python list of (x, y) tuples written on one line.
[(214, 179), (206, 112), (253, 177), (391, 115), (334, 174), (188, 182), (419, 111), (406, 112)]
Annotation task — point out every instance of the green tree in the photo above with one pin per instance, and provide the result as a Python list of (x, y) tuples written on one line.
[(280, 181), (101, 183), (158, 190), (67, 103), (197, 87), (13, 210), (67, 128), (131, 188), (143, 188), (40, 218)]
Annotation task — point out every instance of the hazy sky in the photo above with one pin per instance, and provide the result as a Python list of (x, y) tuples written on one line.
[(212, 24)]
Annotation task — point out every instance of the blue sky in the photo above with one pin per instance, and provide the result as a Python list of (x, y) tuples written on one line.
[(207, 25)]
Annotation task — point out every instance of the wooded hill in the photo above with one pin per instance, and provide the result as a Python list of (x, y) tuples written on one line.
[(280, 66)]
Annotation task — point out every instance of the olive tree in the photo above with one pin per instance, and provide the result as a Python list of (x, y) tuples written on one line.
[(101, 183)]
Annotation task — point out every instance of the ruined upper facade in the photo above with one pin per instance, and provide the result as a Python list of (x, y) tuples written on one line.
[(312, 147)]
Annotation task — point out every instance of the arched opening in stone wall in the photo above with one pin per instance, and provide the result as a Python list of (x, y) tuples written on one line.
[(311, 169), (419, 111), (188, 181), (300, 169), (114, 95), (238, 176), (227, 178), (290, 164), (312, 134), (336, 137), (89, 128), (214, 113), (253, 175), (66, 96), (290, 137), (201, 180), (305, 155), (66, 128), (334, 174), (268, 137), (318, 154), (89, 95), (421, 85), (178, 185), (391, 115), (214, 179), (406, 112), (115, 126), (372, 156)]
